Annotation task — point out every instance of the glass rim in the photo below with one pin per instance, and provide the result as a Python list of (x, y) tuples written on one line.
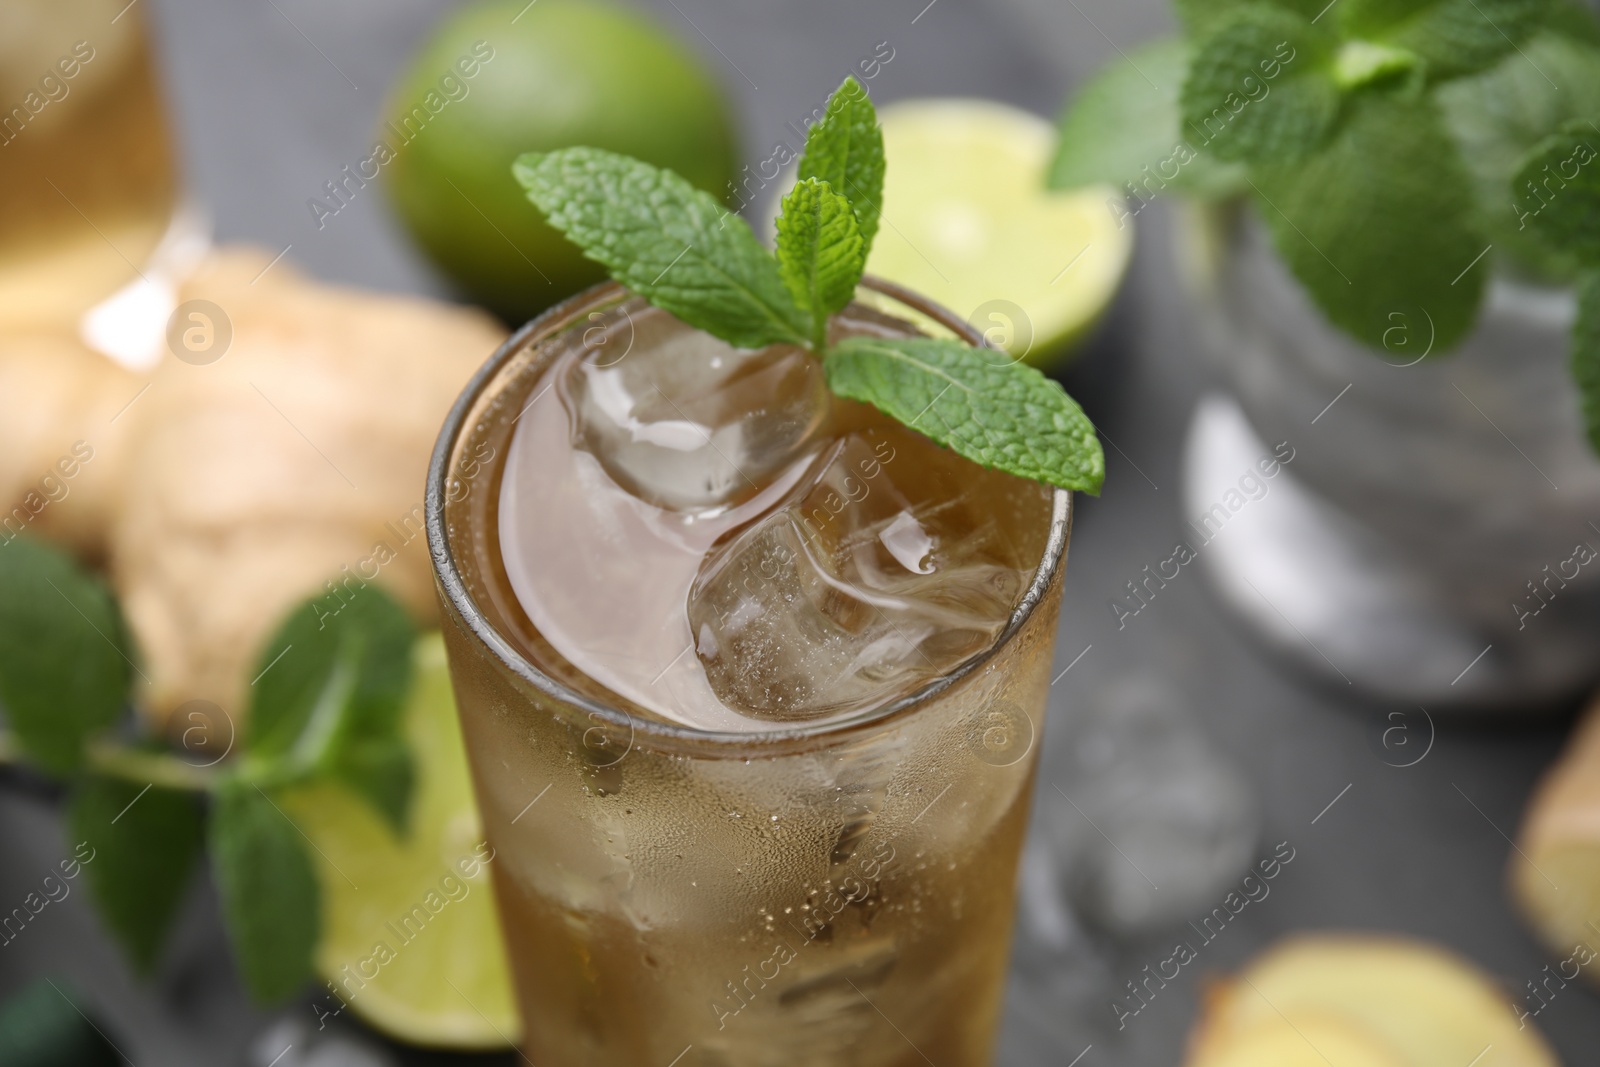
[(670, 734)]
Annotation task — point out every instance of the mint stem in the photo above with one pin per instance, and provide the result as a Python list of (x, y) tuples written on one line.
[(134, 765)]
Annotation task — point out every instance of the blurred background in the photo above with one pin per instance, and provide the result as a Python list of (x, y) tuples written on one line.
[(1192, 736)]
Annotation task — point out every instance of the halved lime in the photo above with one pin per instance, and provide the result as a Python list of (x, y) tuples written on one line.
[(968, 222), (502, 77), (411, 940)]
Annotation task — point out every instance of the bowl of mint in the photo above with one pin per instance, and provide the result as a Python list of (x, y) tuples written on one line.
[(1391, 225)]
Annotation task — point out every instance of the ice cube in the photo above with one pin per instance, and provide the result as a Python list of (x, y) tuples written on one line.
[(1151, 823), (688, 423), (890, 563)]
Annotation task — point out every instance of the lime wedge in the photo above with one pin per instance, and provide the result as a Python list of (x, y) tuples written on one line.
[(411, 940), (968, 222)]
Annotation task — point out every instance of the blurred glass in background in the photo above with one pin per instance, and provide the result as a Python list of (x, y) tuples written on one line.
[(88, 190)]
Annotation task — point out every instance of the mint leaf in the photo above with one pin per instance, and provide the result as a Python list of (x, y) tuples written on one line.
[(845, 150), (1556, 191), (329, 696), (1123, 127), (1585, 358), (1380, 223), (1499, 115), (669, 242), (1123, 120), (1002, 415), (269, 892), (1452, 37), (820, 252), (1261, 88), (64, 665), (42, 1025), (145, 845), (1573, 20), (381, 770)]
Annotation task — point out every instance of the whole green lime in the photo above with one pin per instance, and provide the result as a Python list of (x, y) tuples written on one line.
[(501, 78)]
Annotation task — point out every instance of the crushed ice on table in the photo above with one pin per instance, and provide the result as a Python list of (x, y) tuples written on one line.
[(1151, 824), (887, 565), (688, 423), (290, 1041)]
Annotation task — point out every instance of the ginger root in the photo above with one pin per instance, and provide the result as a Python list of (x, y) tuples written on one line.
[(296, 459), (1309, 1041), (62, 431), (1555, 869), (1362, 1001)]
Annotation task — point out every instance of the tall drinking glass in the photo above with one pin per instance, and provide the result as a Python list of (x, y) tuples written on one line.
[(831, 892)]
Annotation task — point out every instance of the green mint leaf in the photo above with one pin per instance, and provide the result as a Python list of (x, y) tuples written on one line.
[(1379, 223), (1556, 191), (1586, 354), (64, 663), (1261, 88), (46, 1024), (1499, 115), (998, 414), (329, 697), (1573, 20), (820, 252), (845, 150), (145, 843), (269, 892), (669, 242), (1452, 37), (1123, 127)]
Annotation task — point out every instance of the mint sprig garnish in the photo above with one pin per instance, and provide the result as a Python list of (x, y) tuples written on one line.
[(674, 246), (325, 707)]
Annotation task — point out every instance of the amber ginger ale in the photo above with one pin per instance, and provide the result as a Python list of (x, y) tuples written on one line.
[(751, 679)]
